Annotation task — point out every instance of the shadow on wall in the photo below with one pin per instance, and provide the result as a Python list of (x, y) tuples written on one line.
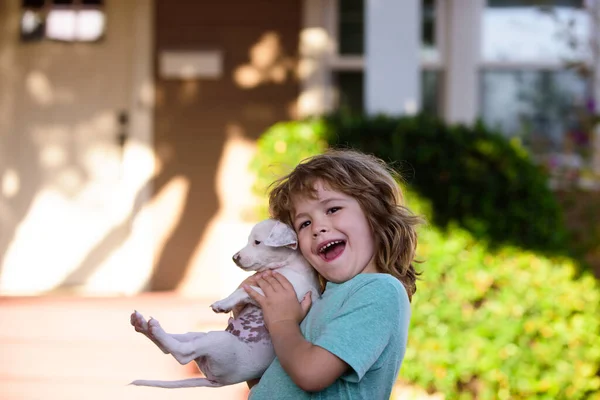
[(18, 185), (60, 166), (66, 211), (195, 119), (41, 158)]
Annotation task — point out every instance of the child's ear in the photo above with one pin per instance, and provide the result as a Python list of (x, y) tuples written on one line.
[(282, 235)]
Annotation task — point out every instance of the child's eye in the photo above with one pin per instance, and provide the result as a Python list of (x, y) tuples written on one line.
[(333, 210), (304, 225)]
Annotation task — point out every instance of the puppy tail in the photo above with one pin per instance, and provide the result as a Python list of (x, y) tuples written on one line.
[(184, 383)]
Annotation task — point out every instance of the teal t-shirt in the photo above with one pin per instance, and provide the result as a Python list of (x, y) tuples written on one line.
[(363, 321)]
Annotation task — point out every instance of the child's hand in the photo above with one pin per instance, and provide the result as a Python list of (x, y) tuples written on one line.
[(251, 280), (279, 303)]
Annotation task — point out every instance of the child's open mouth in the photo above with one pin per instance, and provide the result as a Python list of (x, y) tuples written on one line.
[(332, 250)]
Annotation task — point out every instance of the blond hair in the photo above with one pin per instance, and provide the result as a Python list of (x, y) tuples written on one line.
[(371, 182)]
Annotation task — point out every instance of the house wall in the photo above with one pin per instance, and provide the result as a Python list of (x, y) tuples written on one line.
[(80, 214), (67, 187), (206, 128)]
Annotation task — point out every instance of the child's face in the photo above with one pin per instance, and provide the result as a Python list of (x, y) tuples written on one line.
[(334, 234)]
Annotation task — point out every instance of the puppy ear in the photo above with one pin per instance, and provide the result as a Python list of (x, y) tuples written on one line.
[(282, 235)]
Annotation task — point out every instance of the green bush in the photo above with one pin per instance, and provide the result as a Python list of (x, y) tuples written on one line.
[(487, 323), (279, 149), (501, 324), (473, 176)]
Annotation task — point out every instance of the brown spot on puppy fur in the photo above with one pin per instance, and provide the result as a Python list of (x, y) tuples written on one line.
[(249, 326)]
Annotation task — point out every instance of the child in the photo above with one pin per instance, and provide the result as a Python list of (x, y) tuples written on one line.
[(346, 208)]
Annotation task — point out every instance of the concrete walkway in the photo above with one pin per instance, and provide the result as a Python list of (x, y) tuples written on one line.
[(74, 348)]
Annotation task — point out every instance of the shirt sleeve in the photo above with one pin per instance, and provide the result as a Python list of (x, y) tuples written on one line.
[(362, 328)]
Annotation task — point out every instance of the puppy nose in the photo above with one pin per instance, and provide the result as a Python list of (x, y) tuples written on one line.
[(236, 258)]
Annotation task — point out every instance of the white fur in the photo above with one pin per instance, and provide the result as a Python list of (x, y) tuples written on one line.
[(224, 358)]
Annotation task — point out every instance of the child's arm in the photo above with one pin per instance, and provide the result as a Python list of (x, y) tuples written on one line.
[(311, 367)]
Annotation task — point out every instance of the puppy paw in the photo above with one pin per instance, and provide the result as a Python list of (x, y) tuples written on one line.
[(220, 307), (154, 329), (139, 323), (142, 326)]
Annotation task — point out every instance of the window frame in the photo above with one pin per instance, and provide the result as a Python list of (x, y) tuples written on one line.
[(337, 62), (557, 66), (550, 66)]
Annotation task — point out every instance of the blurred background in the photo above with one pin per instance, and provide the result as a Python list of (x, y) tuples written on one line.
[(137, 139)]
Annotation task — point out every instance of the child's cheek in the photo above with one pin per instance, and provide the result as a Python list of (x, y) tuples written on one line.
[(304, 246)]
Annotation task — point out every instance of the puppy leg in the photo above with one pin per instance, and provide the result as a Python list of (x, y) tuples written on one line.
[(221, 356), (189, 348), (238, 297), (141, 326)]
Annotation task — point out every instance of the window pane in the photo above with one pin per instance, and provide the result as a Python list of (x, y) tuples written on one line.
[(428, 31), (60, 25), (351, 28), (90, 25), (547, 109), (429, 50), (535, 31), (351, 91), (430, 91)]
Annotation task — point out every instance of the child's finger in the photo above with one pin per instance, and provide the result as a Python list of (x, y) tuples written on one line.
[(306, 303), (254, 294), (275, 284), (265, 285), (283, 281), (251, 280)]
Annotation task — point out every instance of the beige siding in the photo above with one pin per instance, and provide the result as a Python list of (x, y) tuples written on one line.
[(205, 128), (65, 184)]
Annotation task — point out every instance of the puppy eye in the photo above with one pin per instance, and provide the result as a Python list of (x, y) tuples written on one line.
[(257, 242)]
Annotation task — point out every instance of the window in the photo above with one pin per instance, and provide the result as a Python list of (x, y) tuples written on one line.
[(534, 79), (543, 107), (348, 69), (62, 20), (351, 27), (536, 31), (350, 86)]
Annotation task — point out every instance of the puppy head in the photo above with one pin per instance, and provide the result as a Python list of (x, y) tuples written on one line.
[(270, 245)]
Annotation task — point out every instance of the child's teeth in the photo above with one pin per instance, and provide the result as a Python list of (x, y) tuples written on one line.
[(329, 245)]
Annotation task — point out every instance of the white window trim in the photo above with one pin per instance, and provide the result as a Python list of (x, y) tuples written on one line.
[(324, 14), (462, 56), (316, 91), (357, 62)]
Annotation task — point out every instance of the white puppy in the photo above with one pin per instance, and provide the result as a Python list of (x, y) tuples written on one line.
[(243, 351)]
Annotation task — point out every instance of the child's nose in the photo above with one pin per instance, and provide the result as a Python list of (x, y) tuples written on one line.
[(319, 230)]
